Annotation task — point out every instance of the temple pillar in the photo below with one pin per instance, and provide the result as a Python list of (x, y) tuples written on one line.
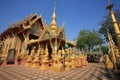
[(30, 58), (13, 41), (36, 61), (24, 44), (44, 59)]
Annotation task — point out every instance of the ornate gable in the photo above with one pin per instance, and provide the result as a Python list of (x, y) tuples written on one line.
[(46, 33), (61, 32)]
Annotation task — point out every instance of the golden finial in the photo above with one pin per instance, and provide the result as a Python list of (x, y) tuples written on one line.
[(110, 5), (54, 13), (53, 24), (109, 2), (63, 24), (54, 5)]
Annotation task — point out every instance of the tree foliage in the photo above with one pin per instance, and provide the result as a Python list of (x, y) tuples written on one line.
[(105, 49), (88, 39), (107, 24)]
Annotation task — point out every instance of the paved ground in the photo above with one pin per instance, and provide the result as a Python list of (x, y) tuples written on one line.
[(94, 71)]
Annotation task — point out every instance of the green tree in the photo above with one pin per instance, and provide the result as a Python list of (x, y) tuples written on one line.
[(87, 40), (107, 24), (105, 49)]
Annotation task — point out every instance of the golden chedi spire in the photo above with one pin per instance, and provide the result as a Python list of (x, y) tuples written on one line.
[(53, 25)]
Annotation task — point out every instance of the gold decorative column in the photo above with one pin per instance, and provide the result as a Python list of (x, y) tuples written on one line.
[(112, 50), (44, 59), (26, 39), (114, 21), (36, 60), (30, 58), (117, 31)]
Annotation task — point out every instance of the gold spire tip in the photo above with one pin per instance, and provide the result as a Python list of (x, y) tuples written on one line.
[(109, 2), (110, 5), (54, 5), (63, 23)]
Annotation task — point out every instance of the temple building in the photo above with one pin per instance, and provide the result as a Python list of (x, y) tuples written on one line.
[(39, 45), (33, 34)]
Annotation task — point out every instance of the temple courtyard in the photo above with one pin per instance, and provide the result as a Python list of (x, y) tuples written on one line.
[(94, 71)]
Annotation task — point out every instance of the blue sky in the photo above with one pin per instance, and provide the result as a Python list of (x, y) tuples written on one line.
[(76, 14)]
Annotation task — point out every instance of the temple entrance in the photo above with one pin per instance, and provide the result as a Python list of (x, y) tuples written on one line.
[(11, 56)]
